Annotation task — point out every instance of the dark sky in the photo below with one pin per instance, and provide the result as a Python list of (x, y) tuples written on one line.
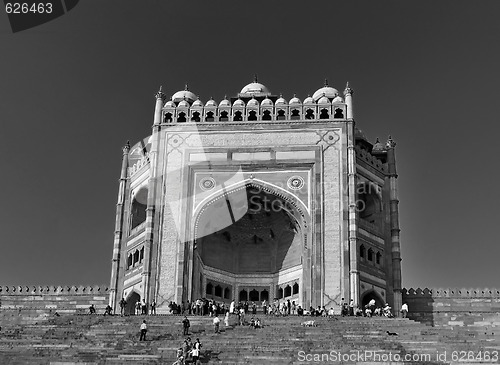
[(74, 90)]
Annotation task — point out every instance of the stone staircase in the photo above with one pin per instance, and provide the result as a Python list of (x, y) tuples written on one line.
[(42, 338)]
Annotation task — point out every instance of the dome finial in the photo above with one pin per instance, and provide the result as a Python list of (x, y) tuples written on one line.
[(186, 87), (255, 78), (390, 142), (326, 82)]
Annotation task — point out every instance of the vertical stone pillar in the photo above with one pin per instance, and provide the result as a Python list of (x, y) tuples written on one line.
[(348, 101), (394, 215), (115, 265), (152, 193), (353, 215)]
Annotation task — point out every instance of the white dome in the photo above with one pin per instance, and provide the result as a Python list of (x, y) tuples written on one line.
[(184, 95), (309, 100), (323, 101), (337, 99), (239, 103), (281, 101), (253, 102), (198, 104), (266, 102), (169, 104), (224, 102), (295, 101), (327, 91), (255, 88), (211, 103), (183, 104)]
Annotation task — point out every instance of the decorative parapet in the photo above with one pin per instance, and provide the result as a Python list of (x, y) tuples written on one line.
[(241, 112), (370, 159), (52, 290), (451, 293), (139, 164)]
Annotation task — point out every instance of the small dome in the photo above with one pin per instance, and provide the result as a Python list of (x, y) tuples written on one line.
[(224, 102), (309, 100), (378, 146), (253, 102), (184, 95), (169, 104), (239, 103), (323, 101), (327, 91), (295, 101), (255, 88), (198, 104), (183, 104), (281, 101), (211, 103), (337, 99), (266, 102)]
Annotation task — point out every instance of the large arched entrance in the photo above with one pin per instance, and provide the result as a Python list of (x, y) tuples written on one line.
[(258, 253)]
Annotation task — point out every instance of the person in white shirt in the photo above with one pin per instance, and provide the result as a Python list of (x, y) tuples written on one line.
[(144, 329), (404, 310)]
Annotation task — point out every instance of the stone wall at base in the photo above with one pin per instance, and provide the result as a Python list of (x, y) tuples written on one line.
[(456, 307), (61, 299)]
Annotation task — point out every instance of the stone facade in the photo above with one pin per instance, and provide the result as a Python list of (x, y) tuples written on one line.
[(188, 196)]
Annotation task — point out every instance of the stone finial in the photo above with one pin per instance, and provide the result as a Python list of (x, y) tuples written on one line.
[(255, 78), (390, 143), (348, 90), (126, 148), (160, 94), (326, 82)]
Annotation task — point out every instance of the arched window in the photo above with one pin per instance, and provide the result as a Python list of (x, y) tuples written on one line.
[(264, 295), (254, 295), (295, 288), (238, 116), (309, 114), (129, 261), (252, 115), (266, 115), (218, 291), (181, 118), (167, 118), (281, 115), (209, 289), (196, 117), (243, 295), (141, 255), (223, 116), (295, 114), (288, 291), (338, 113), (227, 293), (370, 255), (209, 117), (324, 114), (362, 251), (280, 293), (136, 257), (378, 258), (139, 205)]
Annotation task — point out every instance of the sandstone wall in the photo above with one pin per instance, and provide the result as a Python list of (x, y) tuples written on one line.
[(456, 307)]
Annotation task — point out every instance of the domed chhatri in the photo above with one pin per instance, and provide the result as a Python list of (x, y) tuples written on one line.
[(184, 95), (254, 88), (327, 91)]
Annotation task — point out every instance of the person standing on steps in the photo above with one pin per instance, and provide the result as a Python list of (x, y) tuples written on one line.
[(404, 310), (196, 352), (144, 329), (216, 323), (185, 326)]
